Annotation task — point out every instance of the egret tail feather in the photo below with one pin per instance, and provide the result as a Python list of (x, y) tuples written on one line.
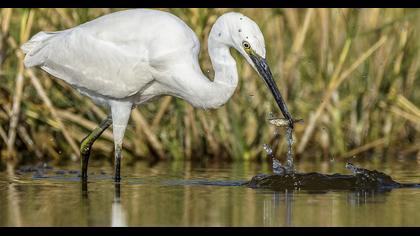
[(34, 48)]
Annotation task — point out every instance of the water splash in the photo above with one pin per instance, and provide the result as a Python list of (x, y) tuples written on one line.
[(268, 150), (278, 169), (289, 167), (289, 161), (354, 169)]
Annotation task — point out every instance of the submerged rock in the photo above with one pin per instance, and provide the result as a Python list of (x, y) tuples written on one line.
[(362, 179)]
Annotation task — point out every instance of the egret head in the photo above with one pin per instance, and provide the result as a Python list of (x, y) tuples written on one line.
[(246, 37)]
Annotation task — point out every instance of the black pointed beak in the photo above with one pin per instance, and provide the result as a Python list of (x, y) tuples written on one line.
[(264, 71)]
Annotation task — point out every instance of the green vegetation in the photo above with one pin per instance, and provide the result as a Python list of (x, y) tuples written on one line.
[(351, 74)]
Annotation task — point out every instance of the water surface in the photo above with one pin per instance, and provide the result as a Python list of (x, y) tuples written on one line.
[(186, 194)]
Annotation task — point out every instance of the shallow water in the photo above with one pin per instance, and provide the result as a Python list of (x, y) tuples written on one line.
[(185, 194)]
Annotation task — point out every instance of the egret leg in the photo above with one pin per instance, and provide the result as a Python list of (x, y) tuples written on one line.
[(87, 142), (120, 115)]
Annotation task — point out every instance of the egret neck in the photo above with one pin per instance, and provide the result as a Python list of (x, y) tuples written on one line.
[(217, 93)]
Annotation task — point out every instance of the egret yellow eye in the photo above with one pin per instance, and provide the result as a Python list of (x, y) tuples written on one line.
[(246, 45)]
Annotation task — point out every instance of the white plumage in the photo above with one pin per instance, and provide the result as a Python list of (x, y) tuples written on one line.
[(129, 57)]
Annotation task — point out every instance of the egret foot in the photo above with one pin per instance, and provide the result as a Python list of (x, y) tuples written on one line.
[(87, 143)]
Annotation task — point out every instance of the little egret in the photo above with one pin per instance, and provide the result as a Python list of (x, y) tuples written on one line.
[(129, 57)]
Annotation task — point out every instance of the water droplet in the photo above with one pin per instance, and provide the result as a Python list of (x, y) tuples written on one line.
[(277, 168), (268, 149)]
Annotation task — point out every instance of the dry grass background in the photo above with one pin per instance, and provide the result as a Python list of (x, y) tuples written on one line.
[(351, 74)]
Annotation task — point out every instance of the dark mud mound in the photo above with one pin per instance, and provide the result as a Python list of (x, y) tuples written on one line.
[(362, 179)]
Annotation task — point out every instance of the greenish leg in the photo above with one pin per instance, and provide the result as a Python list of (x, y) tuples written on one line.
[(87, 143)]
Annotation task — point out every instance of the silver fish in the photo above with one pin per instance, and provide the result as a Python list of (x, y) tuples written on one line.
[(281, 122)]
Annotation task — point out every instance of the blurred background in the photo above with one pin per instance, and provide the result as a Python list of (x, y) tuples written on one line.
[(351, 74)]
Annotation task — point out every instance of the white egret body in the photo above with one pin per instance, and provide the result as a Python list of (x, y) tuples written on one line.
[(129, 57)]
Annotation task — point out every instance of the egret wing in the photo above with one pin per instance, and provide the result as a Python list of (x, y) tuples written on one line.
[(96, 64)]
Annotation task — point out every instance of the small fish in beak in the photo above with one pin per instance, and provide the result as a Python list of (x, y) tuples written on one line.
[(265, 72), (281, 122)]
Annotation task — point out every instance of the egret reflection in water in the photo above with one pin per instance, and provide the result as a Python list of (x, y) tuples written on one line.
[(118, 218)]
